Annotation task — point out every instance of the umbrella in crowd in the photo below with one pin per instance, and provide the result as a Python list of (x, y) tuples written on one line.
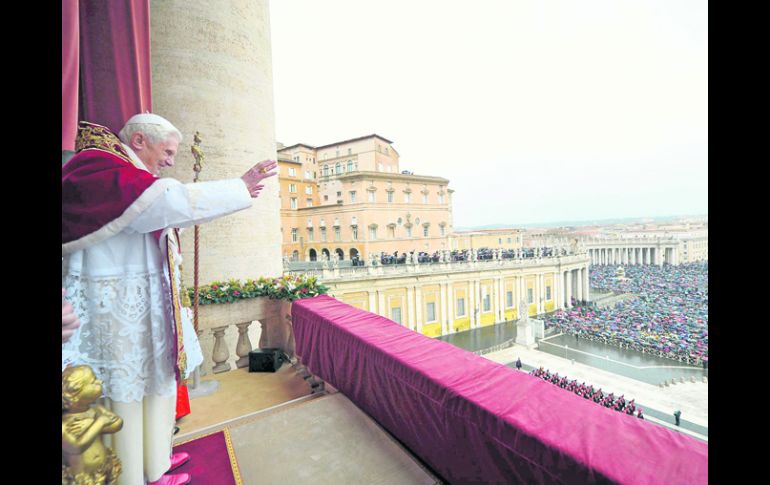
[(669, 315)]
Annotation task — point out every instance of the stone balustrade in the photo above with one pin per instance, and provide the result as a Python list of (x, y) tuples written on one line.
[(229, 326), (332, 273)]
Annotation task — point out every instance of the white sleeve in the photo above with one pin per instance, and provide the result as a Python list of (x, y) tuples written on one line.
[(184, 205)]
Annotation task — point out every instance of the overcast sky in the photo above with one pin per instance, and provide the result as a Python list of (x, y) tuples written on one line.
[(536, 111)]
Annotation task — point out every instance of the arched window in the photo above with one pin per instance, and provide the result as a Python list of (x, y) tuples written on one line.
[(325, 252), (340, 253), (312, 255), (350, 166), (353, 253), (295, 255), (338, 168), (326, 171)]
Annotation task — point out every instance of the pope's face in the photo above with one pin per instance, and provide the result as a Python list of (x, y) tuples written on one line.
[(158, 155)]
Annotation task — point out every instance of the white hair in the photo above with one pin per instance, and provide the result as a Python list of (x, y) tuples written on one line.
[(154, 127)]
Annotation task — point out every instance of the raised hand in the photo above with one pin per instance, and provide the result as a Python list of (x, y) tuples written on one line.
[(257, 173)]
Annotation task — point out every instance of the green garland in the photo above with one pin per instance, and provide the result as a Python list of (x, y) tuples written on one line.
[(284, 288)]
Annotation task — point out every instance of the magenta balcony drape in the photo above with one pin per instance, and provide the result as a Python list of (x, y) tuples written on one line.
[(70, 57), (475, 421), (115, 76)]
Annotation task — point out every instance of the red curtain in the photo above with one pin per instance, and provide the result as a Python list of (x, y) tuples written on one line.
[(70, 57), (114, 57)]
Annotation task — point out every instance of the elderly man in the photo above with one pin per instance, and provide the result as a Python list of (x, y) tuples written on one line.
[(120, 269)]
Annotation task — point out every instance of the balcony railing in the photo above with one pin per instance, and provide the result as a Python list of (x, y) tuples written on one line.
[(330, 270), (475, 421)]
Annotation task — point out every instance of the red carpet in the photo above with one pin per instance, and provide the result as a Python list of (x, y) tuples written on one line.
[(212, 460)]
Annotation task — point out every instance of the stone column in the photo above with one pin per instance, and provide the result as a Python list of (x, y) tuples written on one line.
[(373, 303), (586, 284), (443, 309), (557, 290), (382, 308), (450, 315), (472, 302), (499, 300), (569, 289), (409, 318), (234, 115), (418, 308), (539, 293), (522, 292), (579, 278)]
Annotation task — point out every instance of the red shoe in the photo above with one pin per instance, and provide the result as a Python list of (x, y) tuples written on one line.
[(178, 459), (178, 479)]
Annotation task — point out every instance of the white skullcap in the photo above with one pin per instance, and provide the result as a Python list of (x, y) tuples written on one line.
[(151, 119)]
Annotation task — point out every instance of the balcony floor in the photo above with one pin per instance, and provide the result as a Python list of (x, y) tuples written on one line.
[(283, 434)]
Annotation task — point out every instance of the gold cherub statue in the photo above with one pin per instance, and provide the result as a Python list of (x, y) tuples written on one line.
[(85, 459)]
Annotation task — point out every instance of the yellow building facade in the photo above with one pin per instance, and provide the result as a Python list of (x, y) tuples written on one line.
[(438, 299), (349, 199)]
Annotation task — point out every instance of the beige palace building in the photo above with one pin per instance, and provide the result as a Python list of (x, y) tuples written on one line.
[(349, 198)]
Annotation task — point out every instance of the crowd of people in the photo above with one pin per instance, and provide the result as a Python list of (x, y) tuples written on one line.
[(482, 254), (667, 316), (588, 392)]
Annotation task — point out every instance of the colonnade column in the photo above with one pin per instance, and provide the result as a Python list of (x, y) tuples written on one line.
[(540, 293), (383, 308), (373, 304), (418, 309), (450, 314), (522, 295), (586, 284), (409, 319), (569, 289), (500, 314), (578, 286), (444, 309)]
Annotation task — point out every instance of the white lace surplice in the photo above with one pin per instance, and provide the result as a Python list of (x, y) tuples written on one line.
[(120, 293)]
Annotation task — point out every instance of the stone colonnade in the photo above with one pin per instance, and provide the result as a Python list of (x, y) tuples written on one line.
[(634, 255)]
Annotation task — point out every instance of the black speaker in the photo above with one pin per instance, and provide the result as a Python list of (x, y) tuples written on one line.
[(265, 360)]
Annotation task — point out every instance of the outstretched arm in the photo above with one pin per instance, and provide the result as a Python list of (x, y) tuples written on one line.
[(185, 205)]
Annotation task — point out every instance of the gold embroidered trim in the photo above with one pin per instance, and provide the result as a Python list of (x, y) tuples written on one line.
[(233, 461), (181, 361), (97, 137)]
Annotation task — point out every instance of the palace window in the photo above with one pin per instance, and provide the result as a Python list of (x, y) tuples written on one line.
[(431, 312), (390, 197), (407, 198), (425, 231), (323, 234), (336, 233), (292, 187), (487, 303), (547, 292), (395, 314), (308, 202), (294, 234), (293, 202), (408, 232), (350, 165), (355, 232), (530, 296), (310, 234), (292, 172), (338, 168), (509, 299), (371, 196), (352, 196), (326, 171), (460, 307), (307, 174), (441, 199), (372, 233), (309, 190), (424, 198), (443, 231)]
